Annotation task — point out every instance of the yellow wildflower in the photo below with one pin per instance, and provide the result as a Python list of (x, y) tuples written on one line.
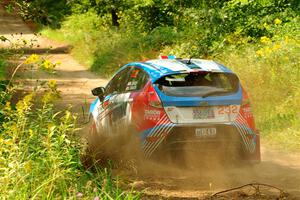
[(276, 47), (7, 106), (8, 142), (259, 53), (52, 84), (32, 59), (286, 39), (58, 63), (277, 21), (265, 40), (50, 96), (47, 64), (47, 98), (24, 104), (266, 26), (27, 166), (268, 50), (30, 132)]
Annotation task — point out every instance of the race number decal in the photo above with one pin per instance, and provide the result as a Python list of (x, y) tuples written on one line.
[(232, 109)]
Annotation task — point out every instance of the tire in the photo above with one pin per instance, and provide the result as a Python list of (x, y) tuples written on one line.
[(95, 152)]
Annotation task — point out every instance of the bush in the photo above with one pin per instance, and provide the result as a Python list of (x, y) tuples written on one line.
[(46, 12)]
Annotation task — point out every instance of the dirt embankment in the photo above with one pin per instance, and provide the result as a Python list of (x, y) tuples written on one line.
[(75, 82)]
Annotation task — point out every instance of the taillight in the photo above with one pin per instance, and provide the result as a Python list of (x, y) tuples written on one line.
[(246, 111), (153, 99)]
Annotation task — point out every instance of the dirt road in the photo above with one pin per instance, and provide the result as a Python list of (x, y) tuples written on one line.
[(278, 168), (74, 80)]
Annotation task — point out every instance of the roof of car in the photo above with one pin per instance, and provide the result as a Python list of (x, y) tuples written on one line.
[(162, 67)]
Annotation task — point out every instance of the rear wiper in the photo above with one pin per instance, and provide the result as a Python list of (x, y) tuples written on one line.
[(214, 92)]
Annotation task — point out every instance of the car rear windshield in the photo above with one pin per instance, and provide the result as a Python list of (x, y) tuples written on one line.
[(201, 84)]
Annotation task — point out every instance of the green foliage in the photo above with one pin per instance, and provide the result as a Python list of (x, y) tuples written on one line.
[(88, 28), (40, 155), (258, 39), (47, 12), (2, 69), (40, 149), (270, 72)]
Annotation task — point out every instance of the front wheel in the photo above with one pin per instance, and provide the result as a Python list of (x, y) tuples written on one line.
[(95, 152)]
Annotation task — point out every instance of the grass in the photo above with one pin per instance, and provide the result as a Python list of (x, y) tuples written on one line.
[(83, 39), (271, 75), (2, 69), (40, 156), (40, 151)]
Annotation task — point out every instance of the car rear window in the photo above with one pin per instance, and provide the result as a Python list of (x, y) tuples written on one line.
[(201, 84)]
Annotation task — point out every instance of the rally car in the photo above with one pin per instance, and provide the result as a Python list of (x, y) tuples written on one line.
[(171, 104)]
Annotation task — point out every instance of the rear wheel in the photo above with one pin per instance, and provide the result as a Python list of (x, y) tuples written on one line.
[(118, 149)]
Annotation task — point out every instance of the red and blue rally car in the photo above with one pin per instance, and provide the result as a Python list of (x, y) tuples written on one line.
[(173, 104)]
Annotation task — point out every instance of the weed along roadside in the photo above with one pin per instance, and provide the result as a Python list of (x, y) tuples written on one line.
[(40, 152), (46, 93), (39, 146)]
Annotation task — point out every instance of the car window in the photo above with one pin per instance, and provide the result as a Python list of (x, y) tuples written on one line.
[(137, 79), (118, 82), (199, 84)]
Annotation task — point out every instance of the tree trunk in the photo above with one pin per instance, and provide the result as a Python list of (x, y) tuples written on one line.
[(114, 18)]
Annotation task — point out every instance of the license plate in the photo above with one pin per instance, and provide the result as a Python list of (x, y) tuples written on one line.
[(206, 132), (203, 113)]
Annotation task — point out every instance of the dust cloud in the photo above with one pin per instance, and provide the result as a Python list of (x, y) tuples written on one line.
[(189, 175)]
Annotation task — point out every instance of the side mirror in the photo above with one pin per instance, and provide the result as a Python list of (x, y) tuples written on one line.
[(99, 92)]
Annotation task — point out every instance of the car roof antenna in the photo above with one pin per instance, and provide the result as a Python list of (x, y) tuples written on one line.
[(189, 61)]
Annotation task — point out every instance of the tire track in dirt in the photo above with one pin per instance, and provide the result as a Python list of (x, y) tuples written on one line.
[(278, 168)]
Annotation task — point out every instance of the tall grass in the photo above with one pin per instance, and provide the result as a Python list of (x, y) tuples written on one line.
[(2, 69), (40, 149), (40, 155), (270, 71)]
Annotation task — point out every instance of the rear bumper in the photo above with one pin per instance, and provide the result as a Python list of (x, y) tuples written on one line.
[(228, 141)]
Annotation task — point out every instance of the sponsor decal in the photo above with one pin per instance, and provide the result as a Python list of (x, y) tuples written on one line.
[(132, 85), (152, 114), (134, 73), (160, 130), (245, 132), (247, 112)]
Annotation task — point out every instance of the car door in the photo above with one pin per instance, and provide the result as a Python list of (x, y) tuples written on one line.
[(131, 82), (109, 109), (135, 85)]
